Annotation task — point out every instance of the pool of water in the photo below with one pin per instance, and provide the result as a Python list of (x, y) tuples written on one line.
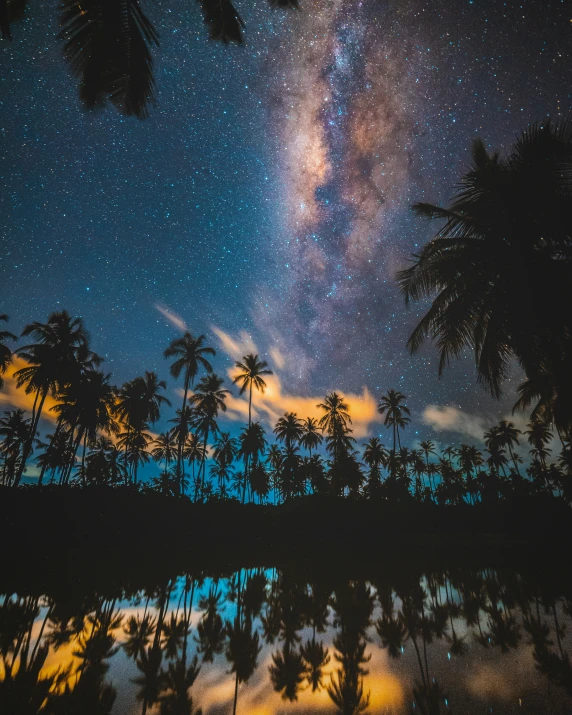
[(263, 641)]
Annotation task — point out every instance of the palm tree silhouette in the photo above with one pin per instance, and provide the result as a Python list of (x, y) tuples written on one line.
[(164, 448), (55, 360), (209, 400), (316, 658), (396, 414), (311, 437), (287, 672), (124, 76), (250, 376), (375, 456), (190, 357), (14, 432), (289, 429), (335, 421), (508, 222), (5, 352)]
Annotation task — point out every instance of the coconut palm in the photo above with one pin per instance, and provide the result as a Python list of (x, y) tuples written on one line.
[(312, 435), (287, 672), (5, 352), (190, 354), (335, 422), (14, 434), (396, 412), (122, 77), (316, 658), (55, 360), (89, 409), (508, 224), (225, 449), (252, 446), (193, 451), (208, 400), (289, 429), (251, 371), (164, 448)]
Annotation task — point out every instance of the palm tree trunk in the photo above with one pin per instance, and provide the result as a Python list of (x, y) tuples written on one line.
[(30, 440), (181, 437), (83, 479), (52, 441), (203, 463), (250, 406)]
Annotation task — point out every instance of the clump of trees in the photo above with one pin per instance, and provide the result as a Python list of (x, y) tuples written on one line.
[(102, 436)]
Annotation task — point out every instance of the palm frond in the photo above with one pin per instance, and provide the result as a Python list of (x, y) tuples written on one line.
[(223, 21), (107, 43)]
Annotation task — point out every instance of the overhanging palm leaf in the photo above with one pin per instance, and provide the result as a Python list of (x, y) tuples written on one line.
[(10, 10), (107, 43)]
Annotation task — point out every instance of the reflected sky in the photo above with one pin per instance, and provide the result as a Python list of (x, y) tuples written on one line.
[(472, 642)]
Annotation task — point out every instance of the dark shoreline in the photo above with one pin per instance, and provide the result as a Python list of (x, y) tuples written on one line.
[(69, 538)]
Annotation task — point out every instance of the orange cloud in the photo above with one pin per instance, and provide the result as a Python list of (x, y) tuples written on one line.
[(16, 398), (274, 402)]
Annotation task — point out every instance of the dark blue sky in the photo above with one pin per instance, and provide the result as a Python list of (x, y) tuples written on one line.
[(269, 189)]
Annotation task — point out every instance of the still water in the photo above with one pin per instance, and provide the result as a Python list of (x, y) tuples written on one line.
[(262, 641)]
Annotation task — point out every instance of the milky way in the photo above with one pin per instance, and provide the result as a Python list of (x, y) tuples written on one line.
[(270, 189)]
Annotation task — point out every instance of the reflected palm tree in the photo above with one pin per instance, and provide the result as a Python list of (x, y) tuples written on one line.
[(287, 672), (316, 658)]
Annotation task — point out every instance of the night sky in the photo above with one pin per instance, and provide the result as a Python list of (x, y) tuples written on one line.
[(269, 190)]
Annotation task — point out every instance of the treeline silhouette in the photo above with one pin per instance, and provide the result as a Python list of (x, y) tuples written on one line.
[(101, 436), (317, 633)]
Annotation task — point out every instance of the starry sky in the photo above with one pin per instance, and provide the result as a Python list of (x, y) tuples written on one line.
[(266, 200)]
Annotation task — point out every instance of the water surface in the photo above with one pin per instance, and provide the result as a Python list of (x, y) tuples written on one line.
[(263, 641)]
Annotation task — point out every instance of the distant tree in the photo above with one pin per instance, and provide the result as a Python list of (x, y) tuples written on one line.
[(251, 375), (190, 356), (5, 352)]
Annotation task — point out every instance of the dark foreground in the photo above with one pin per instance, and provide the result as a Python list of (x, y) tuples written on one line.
[(72, 536), (123, 603)]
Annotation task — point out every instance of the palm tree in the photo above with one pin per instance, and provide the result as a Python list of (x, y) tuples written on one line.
[(507, 436), (89, 409), (287, 672), (289, 429), (193, 452), (375, 456), (54, 361), (14, 433), (311, 437), (225, 449), (250, 376), (335, 421), (209, 400), (190, 357), (508, 225), (164, 448), (396, 414), (538, 436), (316, 658), (252, 445), (123, 77), (5, 352)]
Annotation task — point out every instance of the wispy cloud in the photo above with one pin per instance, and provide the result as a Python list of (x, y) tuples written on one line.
[(16, 398), (173, 318), (274, 402), (451, 419)]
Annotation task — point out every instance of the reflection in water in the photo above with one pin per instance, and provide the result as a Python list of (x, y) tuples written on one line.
[(269, 641)]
